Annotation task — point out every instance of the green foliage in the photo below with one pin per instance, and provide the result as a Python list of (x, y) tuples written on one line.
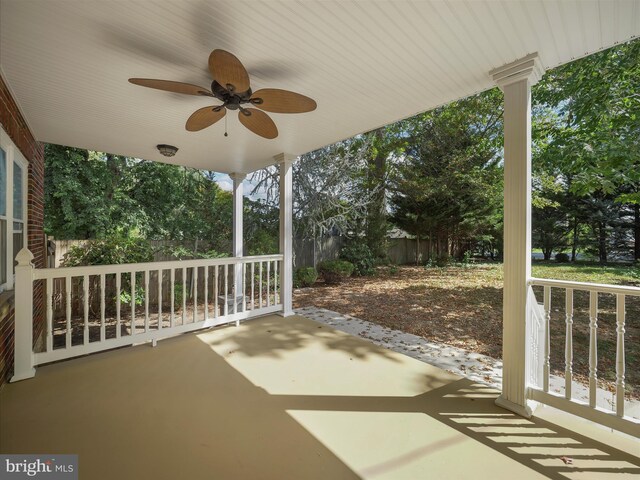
[(304, 277), (335, 271), (180, 252), (125, 295), (360, 256), (562, 258), (115, 249), (448, 186), (91, 195), (178, 293), (587, 154), (261, 228)]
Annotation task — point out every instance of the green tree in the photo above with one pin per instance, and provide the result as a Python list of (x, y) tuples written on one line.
[(593, 140), (447, 186)]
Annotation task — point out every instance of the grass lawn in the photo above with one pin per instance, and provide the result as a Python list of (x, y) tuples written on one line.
[(462, 306)]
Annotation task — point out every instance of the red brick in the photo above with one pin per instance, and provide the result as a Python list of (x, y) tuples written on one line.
[(14, 124)]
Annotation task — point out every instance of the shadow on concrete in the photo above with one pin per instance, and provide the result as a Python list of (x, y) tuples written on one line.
[(183, 410)]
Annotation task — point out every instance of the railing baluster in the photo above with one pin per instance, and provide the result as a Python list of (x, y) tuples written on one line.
[(206, 293), (49, 314), (620, 319), (85, 298), (268, 283), (235, 290), (102, 308), (146, 301), (226, 289), (49, 293), (568, 346), (85, 326), (244, 287), (275, 282), (593, 347), (172, 281), (133, 303), (68, 312), (253, 279), (160, 299), (184, 295), (118, 288), (216, 290), (195, 294), (547, 337), (260, 286)]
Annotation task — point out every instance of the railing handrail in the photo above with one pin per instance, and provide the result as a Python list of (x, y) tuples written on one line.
[(46, 273), (591, 287)]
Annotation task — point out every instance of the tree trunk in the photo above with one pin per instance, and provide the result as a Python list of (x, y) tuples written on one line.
[(574, 244), (417, 249), (602, 242), (636, 232), (376, 221)]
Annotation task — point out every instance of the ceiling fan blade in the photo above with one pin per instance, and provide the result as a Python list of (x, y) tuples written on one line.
[(282, 101), (258, 122), (228, 71), (169, 86), (205, 117)]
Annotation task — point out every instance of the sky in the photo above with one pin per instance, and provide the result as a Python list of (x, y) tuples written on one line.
[(225, 183)]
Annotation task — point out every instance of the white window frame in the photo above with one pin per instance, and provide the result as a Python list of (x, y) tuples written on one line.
[(13, 155)]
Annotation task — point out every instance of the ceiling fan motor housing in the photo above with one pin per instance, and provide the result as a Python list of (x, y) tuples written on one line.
[(231, 99)]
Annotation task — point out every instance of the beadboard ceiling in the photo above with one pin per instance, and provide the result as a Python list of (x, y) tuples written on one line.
[(366, 63)]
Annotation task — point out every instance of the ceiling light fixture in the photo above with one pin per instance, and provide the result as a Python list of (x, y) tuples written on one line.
[(167, 150)]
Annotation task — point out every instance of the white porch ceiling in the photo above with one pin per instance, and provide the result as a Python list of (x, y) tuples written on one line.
[(366, 63)]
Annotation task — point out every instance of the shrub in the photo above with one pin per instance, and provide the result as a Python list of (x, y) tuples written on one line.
[(115, 249), (109, 251), (180, 252), (361, 257), (335, 271), (562, 258), (304, 277)]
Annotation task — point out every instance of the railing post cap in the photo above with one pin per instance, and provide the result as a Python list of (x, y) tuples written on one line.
[(24, 258)]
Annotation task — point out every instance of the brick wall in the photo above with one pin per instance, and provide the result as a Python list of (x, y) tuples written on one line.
[(14, 124)]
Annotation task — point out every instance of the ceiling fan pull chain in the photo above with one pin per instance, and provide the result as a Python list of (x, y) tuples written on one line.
[(225, 126)]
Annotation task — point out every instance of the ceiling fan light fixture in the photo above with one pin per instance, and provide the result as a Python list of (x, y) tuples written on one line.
[(167, 150)]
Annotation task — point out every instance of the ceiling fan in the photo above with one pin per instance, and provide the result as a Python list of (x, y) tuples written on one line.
[(231, 86)]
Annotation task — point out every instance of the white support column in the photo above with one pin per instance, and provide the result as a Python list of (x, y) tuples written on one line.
[(516, 80), (286, 231), (238, 244), (23, 333)]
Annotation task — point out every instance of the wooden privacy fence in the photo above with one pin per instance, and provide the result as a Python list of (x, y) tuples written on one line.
[(62, 247), (308, 252)]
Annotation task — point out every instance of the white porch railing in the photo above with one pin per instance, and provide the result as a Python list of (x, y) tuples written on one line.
[(539, 388), (93, 308)]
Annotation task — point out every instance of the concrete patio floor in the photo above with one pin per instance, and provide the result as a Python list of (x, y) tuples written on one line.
[(289, 398)]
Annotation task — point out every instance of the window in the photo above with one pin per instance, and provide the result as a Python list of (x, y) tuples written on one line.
[(18, 209), (13, 208)]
